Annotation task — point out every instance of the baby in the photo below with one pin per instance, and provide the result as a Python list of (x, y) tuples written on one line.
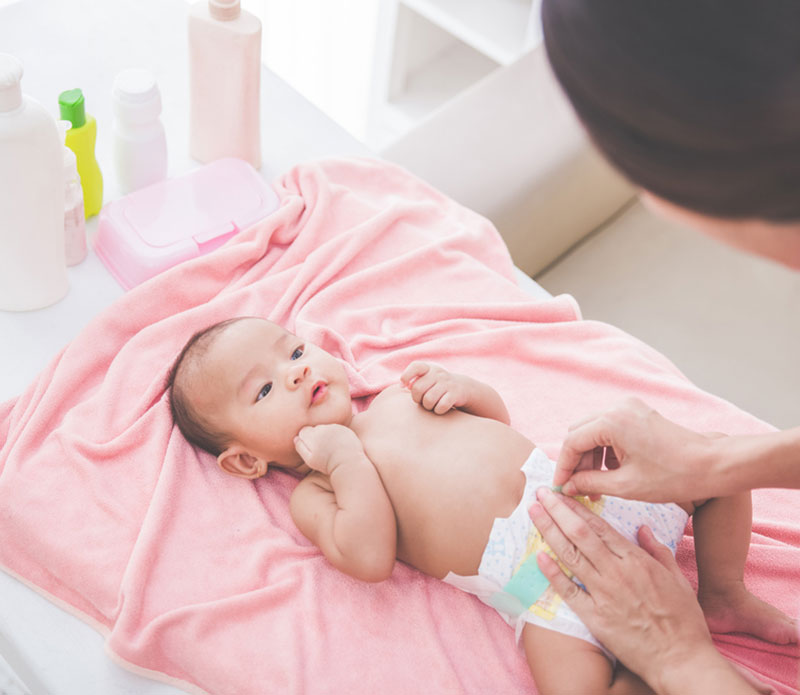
[(432, 474)]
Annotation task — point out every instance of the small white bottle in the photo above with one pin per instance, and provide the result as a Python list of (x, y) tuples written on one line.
[(140, 144), (225, 89), (74, 218), (33, 271)]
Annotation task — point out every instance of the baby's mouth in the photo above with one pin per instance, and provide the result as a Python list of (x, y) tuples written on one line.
[(318, 392)]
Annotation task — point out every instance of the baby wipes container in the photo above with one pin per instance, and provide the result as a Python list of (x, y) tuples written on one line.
[(156, 227), (33, 273)]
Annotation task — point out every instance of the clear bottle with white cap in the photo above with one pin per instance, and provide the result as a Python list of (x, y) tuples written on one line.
[(33, 271), (74, 218), (140, 144), (225, 82)]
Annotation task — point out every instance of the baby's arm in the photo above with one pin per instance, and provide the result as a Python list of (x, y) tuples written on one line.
[(342, 506), (436, 389)]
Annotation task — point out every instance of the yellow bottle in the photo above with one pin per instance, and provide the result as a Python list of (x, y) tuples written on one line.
[(81, 138)]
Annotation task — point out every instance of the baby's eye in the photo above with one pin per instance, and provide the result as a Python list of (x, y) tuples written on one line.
[(298, 353), (265, 389)]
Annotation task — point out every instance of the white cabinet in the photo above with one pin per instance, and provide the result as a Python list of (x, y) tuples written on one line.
[(428, 51)]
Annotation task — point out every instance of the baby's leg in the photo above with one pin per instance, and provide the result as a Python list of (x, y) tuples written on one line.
[(721, 538), (566, 665)]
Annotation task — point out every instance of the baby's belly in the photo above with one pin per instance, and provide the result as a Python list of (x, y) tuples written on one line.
[(448, 478)]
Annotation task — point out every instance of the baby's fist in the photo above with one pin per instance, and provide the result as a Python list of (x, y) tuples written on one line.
[(323, 447), (434, 388)]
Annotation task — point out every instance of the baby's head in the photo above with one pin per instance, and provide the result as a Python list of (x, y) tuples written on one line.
[(242, 389)]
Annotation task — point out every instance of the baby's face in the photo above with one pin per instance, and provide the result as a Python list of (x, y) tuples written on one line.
[(261, 385)]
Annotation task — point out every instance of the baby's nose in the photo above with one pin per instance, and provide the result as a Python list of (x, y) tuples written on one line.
[(296, 374)]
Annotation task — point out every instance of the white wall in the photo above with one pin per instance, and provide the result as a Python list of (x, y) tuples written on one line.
[(324, 49)]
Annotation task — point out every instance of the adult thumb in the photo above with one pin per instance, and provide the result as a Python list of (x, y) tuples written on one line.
[(658, 550), (589, 483)]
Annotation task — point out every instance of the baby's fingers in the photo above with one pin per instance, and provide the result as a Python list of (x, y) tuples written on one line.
[(414, 371), (433, 394)]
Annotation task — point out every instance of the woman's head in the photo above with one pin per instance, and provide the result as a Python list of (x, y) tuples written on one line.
[(695, 101)]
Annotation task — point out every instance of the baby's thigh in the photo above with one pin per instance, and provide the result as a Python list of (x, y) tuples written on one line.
[(565, 665)]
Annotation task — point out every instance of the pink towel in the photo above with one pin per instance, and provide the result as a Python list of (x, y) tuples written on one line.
[(201, 578)]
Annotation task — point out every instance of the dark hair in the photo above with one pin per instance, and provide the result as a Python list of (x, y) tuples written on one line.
[(697, 101), (193, 427)]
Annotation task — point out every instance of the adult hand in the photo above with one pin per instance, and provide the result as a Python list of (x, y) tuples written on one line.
[(637, 602), (647, 456)]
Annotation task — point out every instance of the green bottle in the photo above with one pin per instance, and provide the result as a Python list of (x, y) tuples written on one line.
[(81, 138)]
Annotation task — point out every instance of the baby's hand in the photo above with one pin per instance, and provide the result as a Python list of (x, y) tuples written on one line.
[(434, 388), (324, 447)]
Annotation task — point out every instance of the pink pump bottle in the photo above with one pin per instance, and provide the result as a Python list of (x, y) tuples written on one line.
[(225, 73)]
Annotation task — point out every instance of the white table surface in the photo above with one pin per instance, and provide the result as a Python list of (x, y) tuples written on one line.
[(85, 43)]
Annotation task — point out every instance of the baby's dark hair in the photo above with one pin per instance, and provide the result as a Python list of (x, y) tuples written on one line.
[(197, 431)]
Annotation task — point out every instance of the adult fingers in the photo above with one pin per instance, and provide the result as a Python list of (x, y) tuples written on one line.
[(565, 468), (577, 451), (598, 482), (559, 528), (594, 537), (659, 551), (576, 597)]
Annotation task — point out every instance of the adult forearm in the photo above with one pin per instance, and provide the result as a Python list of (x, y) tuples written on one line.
[(705, 672), (742, 463)]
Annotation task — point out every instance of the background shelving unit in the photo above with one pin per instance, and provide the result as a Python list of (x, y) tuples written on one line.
[(428, 51)]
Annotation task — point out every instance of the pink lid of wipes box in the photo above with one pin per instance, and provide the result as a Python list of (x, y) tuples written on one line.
[(152, 229)]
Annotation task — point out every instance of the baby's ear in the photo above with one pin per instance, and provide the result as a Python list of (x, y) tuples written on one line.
[(235, 460)]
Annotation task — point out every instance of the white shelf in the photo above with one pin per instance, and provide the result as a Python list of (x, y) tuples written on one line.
[(429, 51), (435, 82), (499, 29)]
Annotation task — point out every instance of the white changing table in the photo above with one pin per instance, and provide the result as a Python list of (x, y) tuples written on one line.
[(84, 43)]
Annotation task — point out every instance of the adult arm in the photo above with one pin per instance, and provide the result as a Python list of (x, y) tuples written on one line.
[(637, 602), (342, 506), (648, 457)]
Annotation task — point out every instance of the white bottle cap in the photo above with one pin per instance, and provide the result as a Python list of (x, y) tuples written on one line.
[(10, 88), (135, 96), (224, 9)]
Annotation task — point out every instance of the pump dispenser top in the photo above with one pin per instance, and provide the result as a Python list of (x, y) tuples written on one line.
[(224, 9)]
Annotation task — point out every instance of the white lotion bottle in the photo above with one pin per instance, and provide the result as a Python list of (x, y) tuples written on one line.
[(225, 74), (33, 271), (140, 143)]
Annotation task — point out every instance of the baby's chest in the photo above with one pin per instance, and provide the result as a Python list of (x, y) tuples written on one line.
[(395, 430)]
